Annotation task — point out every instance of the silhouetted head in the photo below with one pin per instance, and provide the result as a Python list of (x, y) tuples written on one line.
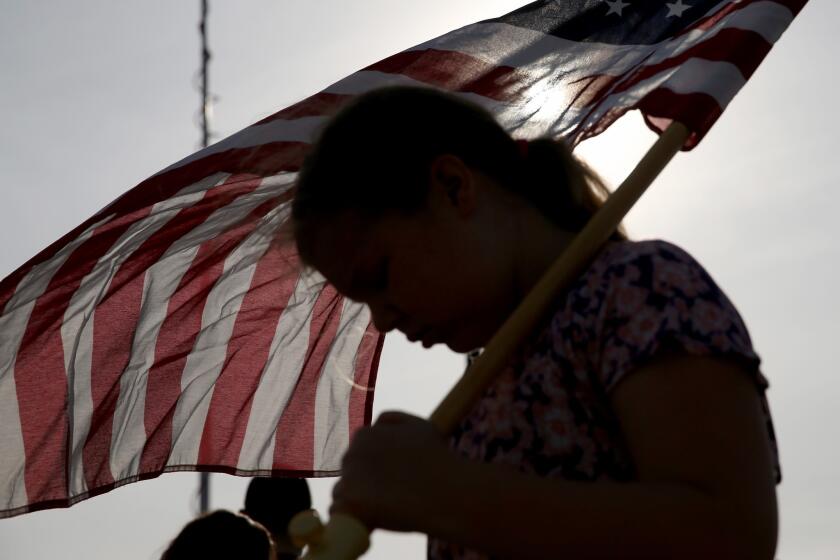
[(413, 201), (221, 535), (273, 502)]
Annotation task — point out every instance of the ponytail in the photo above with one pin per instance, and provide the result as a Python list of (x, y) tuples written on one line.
[(566, 190)]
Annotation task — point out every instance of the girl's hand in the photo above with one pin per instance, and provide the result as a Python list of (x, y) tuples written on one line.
[(392, 474)]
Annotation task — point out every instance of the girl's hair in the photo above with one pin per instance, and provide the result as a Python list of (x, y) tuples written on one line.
[(374, 156), (220, 535)]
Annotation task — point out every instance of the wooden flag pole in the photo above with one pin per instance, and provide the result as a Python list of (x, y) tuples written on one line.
[(345, 538)]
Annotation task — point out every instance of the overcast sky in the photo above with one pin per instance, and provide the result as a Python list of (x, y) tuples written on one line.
[(95, 96)]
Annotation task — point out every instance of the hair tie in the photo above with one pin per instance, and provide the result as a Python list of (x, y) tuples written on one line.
[(522, 146)]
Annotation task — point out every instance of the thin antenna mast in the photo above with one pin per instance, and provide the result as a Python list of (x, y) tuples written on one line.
[(204, 477)]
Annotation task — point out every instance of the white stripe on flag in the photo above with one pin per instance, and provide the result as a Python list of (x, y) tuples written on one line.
[(160, 282), (335, 385), (280, 375), (13, 323), (205, 362), (77, 327)]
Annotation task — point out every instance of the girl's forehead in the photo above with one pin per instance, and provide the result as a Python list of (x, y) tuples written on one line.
[(344, 247)]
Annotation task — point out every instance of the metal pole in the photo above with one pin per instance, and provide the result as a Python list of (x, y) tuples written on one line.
[(205, 61), (204, 478)]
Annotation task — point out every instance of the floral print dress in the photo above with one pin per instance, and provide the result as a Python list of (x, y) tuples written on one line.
[(548, 414)]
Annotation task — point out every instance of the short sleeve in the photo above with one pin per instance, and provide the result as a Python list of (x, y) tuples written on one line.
[(658, 296)]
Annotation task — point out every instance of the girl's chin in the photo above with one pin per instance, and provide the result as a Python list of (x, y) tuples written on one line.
[(457, 348), (462, 345), (460, 342), (465, 349)]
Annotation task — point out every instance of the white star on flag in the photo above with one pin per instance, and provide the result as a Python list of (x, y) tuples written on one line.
[(616, 6), (676, 9)]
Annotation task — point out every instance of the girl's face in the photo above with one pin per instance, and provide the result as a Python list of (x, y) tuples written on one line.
[(442, 275)]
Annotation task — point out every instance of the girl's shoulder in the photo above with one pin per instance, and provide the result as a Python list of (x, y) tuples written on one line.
[(640, 296), (665, 271), (649, 255)]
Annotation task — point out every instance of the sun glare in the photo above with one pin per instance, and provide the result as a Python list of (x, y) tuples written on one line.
[(615, 152)]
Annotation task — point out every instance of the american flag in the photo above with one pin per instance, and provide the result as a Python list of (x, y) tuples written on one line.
[(174, 330)]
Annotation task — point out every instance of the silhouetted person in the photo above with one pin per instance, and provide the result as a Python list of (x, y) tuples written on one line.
[(221, 535), (631, 422), (273, 502)]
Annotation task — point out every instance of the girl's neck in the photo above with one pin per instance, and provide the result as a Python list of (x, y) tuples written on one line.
[(539, 243)]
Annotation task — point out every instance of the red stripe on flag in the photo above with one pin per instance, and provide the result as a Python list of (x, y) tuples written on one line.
[(263, 160), (293, 447), (179, 332), (697, 111), (707, 23), (272, 285), (367, 364), (751, 50), (320, 104), (456, 71), (40, 376), (120, 306)]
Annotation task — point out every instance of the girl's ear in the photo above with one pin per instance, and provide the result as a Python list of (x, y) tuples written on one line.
[(453, 183)]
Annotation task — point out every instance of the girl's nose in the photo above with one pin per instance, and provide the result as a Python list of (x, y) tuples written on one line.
[(385, 316)]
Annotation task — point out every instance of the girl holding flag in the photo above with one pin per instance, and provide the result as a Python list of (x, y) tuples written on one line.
[(632, 424)]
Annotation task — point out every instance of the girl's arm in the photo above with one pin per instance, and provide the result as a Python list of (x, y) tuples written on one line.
[(704, 488)]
